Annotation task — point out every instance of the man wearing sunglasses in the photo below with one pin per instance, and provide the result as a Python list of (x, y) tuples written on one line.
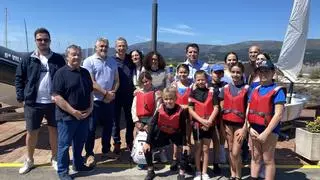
[(33, 84)]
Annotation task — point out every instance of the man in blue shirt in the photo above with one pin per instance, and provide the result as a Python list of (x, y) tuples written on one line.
[(192, 54), (105, 77)]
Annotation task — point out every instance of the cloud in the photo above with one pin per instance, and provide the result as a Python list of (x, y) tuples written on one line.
[(143, 38), (183, 26), (176, 31)]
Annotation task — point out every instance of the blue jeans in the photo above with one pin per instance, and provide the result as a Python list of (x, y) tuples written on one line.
[(125, 102), (104, 113), (75, 132)]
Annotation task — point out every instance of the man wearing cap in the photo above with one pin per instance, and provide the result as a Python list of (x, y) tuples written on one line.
[(217, 72)]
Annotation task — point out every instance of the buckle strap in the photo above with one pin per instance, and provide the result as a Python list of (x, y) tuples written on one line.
[(236, 112)]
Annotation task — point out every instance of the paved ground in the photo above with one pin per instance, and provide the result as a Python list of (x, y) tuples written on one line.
[(103, 173), (12, 150)]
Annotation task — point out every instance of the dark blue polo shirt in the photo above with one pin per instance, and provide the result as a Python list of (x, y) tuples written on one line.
[(75, 86), (125, 70)]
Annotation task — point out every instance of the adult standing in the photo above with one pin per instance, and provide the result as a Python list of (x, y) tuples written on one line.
[(155, 64), (124, 95), (74, 100), (136, 57), (105, 78), (33, 82), (230, 59), (192, 55), (250, 66)]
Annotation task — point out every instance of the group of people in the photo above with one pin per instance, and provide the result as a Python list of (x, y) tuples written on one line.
[(200, 104)]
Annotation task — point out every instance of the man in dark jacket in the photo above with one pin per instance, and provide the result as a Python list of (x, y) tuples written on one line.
[(124, 95), (33, 81)]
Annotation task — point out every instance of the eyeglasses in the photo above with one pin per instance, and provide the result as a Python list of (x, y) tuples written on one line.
[(44, 40)]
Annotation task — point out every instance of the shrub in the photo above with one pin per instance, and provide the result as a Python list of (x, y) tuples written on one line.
[(314, 126)]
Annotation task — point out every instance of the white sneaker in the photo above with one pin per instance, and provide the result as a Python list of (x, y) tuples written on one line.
[(163, 156), (198, 176), (54, 163), (27, 166), (205, 177)]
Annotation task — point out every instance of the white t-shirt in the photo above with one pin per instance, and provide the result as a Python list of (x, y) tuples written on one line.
[(44, 84)]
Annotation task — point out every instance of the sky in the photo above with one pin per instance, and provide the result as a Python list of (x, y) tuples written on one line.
[(216, 22)]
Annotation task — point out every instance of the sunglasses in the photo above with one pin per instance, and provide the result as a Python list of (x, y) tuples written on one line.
[(44, 40)]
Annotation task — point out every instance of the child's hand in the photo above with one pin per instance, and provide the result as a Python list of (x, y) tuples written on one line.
[(253, 133), (204, 128), (139, 126), (241, 135), (262, 137), (206, 123), (146, 147)]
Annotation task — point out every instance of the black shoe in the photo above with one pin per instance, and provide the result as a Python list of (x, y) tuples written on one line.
[(189, 169), (216, 169), (117, 149), (83, 169), (65, 177), (174, 165), (232, 178), (253, 178), (150, 175), (181, 177)]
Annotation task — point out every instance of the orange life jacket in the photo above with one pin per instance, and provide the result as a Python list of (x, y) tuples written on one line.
[(145, 104), (203, 109), (169, 124), (261, 107), (234, 108), (183, 99)]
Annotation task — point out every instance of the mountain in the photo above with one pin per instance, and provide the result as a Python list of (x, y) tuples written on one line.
[(212, 53)]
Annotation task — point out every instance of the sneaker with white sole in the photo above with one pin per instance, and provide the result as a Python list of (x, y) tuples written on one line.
[(54, 163), (205, 176), (27, 166), (197, 176)]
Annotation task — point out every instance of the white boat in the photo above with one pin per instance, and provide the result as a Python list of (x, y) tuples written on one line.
[(291, 56)]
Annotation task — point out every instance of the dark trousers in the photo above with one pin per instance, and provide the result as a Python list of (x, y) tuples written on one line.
[(104, 113), (183, 159), (125, 102), (75, 132)]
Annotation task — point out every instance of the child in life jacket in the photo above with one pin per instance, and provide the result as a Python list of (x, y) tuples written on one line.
[(167, 126), (183, 88), (216, 84), (265, 108), (233, 98), (145, 102), (203, 108)]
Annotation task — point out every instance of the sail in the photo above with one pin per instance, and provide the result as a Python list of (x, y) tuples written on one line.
[(293, 48)]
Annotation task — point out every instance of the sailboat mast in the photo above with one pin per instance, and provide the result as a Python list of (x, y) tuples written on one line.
[(25, 29), (154, 25), (6, 28)]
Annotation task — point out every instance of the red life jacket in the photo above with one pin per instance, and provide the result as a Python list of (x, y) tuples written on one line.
[(145, 104), (169, 124), (234, 108), (203, 109), (183, 99), (261, 107)]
